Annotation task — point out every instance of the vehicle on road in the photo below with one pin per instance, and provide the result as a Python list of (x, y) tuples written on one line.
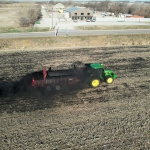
[(88, 20), (75, 20), (93, 19), (93, 74)]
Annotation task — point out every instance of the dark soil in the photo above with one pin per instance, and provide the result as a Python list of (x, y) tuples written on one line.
[(115, 116)]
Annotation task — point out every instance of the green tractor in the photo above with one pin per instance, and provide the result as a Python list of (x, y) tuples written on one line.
[(96, 74)]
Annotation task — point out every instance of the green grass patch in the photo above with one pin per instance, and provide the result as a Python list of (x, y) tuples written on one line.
[(83, 38), (22, 29), (112, 27)]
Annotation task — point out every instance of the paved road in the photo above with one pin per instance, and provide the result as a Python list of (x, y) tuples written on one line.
[(64, 32)]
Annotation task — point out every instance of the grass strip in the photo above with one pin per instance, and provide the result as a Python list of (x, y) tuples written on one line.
[(116, 27), (23, 29), (75, 41)]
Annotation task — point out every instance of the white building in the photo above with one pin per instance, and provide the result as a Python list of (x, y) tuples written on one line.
[(58, 7)]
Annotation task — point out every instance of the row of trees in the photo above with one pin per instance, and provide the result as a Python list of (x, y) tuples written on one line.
[(142, 9), (29, 14), (118, 7)]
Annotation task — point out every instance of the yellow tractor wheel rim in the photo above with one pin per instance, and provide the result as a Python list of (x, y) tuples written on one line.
[(109, 80), (95, 83)]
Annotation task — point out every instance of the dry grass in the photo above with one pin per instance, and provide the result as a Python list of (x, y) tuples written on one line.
[(116, 27), (48, 42), (8, 17), (22, 29)]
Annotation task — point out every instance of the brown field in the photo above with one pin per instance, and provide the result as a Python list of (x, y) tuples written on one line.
[(115, 116), (9, 15)]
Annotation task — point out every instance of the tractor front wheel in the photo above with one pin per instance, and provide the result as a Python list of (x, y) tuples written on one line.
[(95, 82), (109, 80)]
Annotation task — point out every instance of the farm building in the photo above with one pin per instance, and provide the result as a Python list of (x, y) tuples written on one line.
[(58, 7), (78, 13)]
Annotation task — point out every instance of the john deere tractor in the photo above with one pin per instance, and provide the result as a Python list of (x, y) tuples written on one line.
[(97, 74)]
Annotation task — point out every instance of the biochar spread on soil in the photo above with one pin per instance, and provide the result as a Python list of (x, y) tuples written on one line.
[(115, 116)]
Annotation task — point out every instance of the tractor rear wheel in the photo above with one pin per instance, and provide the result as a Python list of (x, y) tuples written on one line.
[(109, 80), (48, 88), (94, 82)]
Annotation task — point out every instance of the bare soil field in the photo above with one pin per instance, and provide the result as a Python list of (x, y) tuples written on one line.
[(115, 116), (8, 16)]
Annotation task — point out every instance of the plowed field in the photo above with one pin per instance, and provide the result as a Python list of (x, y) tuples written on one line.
[(115, 116)]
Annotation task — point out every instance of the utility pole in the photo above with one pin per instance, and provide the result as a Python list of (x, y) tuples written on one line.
[(52, 18), (51, 13), (47, 6)]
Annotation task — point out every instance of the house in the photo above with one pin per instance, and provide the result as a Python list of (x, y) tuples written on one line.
[(78, 13), (58, 7)]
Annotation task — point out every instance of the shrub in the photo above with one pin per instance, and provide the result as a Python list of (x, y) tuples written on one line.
[(29, 14), (23, 22)]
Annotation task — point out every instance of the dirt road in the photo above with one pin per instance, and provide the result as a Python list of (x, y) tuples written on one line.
[(115, 116)]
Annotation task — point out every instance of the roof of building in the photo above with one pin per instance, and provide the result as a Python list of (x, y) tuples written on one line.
[(59, 5), (72, 9)]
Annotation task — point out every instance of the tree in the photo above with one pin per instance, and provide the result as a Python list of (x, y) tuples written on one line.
[(104, 6), (29, 14), (70, 2), (140, 9), (117, 7)]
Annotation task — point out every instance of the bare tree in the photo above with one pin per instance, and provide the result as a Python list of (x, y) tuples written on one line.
[(140, 9), (120, 7), (147, 12), (104, 6), (29, 14), (117, 7), (70, 2)]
